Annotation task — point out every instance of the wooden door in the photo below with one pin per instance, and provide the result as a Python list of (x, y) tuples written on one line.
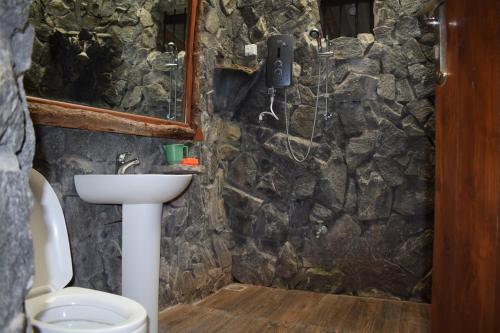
[(466, 279)]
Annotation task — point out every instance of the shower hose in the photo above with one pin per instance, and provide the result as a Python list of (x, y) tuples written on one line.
[(290, 149)]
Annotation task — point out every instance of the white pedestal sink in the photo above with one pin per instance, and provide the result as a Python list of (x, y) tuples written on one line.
[(142, 197)]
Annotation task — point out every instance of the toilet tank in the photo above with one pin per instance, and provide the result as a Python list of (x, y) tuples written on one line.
[(53, 266)]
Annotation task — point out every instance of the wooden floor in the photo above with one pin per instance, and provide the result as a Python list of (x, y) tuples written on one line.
[(250, 309)]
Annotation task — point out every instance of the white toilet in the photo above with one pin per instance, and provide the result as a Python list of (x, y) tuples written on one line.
[(53, 308)]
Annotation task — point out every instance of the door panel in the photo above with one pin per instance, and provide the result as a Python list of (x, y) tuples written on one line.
[(466, 286)]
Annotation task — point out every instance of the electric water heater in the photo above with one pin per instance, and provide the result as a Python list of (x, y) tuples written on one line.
[(279, 62)]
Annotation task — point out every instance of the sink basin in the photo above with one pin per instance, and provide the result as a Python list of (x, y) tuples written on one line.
[(142, 197), (130, 189)]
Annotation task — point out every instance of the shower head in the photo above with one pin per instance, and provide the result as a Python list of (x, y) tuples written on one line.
[(171, 47), (315, 33), (83, 56)]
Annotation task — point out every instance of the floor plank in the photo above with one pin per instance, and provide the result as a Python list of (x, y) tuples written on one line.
[(248, 309)]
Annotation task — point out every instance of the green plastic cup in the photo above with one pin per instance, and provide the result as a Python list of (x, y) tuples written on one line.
[(174, 153)]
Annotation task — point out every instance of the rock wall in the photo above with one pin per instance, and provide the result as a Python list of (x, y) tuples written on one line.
[(16, 154), (356, 218), (126, 70), (195, 256)]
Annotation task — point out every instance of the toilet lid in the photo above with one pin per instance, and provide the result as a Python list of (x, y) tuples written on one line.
[(53, 267)]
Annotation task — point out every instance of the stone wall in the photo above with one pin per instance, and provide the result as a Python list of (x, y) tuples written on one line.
[(126, 71), (356, 218), (16, 153), (195, 255)]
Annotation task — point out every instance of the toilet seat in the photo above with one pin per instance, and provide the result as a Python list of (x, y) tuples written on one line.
[(76, 310), (53, 308)]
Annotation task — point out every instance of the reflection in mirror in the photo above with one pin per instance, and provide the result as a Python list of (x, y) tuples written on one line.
[(346, 17), (125, 55)]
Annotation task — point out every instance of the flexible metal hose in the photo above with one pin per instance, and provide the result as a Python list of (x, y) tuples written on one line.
[(296, 159)]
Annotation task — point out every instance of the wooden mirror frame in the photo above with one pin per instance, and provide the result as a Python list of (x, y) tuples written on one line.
[(69, 115)]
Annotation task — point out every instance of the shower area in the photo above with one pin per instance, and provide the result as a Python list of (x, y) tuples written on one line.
[(356, 217)]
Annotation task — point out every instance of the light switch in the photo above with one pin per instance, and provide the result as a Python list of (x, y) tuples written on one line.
[(250, 50)]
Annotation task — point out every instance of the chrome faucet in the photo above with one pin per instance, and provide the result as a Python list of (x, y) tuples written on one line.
[(122, 166)]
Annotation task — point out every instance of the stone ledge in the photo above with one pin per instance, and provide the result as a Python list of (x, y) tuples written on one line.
[(181, 169)]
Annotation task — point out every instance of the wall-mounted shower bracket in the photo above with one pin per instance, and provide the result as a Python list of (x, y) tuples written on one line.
[(326, 54)]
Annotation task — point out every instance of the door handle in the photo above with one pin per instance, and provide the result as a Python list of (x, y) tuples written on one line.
[(435, 16)]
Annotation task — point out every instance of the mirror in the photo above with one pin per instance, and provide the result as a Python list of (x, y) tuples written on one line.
[(128, 58)]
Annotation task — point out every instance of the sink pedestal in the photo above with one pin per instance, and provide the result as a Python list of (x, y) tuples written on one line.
[(141, 230), (142, 198)]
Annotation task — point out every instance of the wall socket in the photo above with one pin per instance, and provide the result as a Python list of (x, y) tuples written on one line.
[(251, 50)]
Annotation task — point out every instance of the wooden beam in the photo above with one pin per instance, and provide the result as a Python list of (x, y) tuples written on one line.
[(68, 115), (236, 67)]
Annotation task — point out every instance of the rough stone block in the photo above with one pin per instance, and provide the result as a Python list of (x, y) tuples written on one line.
[(304, 186), (274, 183), (394, 62), (342, 236), (287, 264), (420, 73), (347, 48), (404, 91), (412, 51), (383, 34), (374, 196), (355, 88), (407, 27), (352, 117), (392, 140), (359, 149), (254, 267), (411, 127), (228, 152), (351, 198), (390, 170), (419, 265), (228, 6), (366, 39), (421, 109), (272, 224), (410, 7), (364, 66), (212, 21), (277, 144), (320, 214), (302, 121), (243, 171), (412, 200), (332, 185), (387, 86)]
